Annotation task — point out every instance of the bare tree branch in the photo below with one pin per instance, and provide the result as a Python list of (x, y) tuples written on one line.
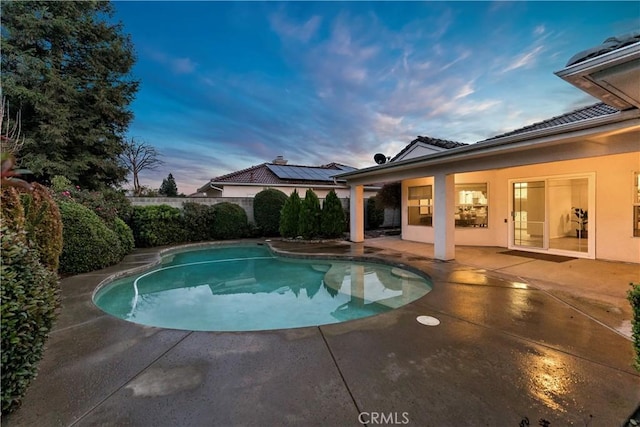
[(138, 156)]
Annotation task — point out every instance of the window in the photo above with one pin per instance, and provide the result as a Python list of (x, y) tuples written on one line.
[(421, 205), (636, 204), (472, 209)]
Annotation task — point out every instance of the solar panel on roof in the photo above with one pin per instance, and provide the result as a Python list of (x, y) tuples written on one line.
[(304, 173)]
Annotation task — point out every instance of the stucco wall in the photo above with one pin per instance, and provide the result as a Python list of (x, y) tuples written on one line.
[(611, 220)]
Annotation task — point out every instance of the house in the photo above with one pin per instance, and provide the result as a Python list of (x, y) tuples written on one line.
[(569, 185), (284, 177)]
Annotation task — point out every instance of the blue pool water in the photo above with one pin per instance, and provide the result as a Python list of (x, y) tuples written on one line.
[(248, 288)]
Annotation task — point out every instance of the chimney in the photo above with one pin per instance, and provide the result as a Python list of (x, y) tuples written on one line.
[(280, 160)]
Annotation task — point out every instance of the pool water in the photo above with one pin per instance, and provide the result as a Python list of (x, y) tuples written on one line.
[(248, 288)]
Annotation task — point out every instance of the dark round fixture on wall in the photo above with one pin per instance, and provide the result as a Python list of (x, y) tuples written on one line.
[(380, 158)]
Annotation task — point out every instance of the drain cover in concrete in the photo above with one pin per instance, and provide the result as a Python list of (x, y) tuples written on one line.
[(428, 320)]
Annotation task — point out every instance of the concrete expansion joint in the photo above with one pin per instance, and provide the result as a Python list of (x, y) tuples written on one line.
[(335, 363), (132, 378)]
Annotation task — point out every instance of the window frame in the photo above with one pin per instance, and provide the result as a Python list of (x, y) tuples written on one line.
[(471, 219), (635, 231), (422, 200)]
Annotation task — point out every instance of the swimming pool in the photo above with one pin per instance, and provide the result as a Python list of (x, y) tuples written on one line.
[(249, 288)]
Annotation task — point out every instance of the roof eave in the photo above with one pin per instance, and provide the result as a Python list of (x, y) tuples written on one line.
[(515, 141), (594, 76)]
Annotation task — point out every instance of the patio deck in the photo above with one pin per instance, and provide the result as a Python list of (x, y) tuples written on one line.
[(519, 338)]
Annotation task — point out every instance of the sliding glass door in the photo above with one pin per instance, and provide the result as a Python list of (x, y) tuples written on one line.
[(529, 214), (552, 214)]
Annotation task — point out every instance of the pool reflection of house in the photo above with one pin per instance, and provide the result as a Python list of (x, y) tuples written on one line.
[(569, 185)]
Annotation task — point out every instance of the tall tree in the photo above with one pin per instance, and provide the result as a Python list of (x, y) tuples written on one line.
[(66, 66), (168, 187), (137, 156)]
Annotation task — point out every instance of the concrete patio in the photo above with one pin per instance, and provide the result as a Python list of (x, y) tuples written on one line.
[(520, 339)]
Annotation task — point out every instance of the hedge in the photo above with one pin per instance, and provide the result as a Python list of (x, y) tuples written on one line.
[(198, 221), (29, 295), (125, 235), (157, 226), (88, 243), (43, 224), (230, 221), (267, 206)]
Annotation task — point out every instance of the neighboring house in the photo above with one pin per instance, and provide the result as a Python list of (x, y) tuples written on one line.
[(284, 177), (569, 185)]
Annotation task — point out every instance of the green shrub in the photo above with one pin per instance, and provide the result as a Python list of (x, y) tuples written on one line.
[(375, 215), (290, 216), (125, 235), (230, 221), (267, 206), (332, 222), (29, 295), (88, 243), (43, 224), (634, 298), (309, 225), (199, 221), (61, 183), (157, 226), (11, 209), (107, 204)]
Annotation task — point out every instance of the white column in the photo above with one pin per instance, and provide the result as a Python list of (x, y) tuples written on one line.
[(444, 244), (356, 213)]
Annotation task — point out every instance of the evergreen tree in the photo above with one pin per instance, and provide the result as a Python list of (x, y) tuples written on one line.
[(333, 221), (290, 216), (168, 187), (310, 212), (67, 67)]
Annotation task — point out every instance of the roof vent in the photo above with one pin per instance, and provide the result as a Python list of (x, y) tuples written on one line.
[(280, 160)]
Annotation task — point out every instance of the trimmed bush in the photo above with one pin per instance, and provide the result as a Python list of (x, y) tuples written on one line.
[(332, 222), (267, 206), (230, 221), (11, 210), (290, 216), (125, 235), (310, 215), (157, 226), (375, 215), (199, 221), (88, 243), (43, 224), (29, 295), (634, 298)]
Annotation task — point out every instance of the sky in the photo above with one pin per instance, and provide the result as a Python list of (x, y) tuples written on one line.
[(228, 85)]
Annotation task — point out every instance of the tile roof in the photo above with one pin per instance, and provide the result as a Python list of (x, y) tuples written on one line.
[(610, 44), (441, 143), (589, 112), (262, 174)]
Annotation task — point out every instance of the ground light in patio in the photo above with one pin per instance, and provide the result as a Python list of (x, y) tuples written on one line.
[(428, 320), (248, 288)]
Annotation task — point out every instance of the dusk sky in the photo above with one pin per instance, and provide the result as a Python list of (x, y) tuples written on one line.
[(228, 85)]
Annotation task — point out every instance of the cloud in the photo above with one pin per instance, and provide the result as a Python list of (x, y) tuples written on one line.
[(524, 60), (178, 65), (299, 32)]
